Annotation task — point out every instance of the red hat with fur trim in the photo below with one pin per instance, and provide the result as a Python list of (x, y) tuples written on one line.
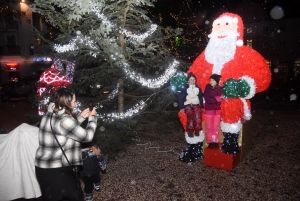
[(240, 26)]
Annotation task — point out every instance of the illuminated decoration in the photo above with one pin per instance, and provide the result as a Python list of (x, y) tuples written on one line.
[(244, 72), (73, 45), (51, 80), (156, 82), (180, 42), (178, 81), (12, 66), (114, 93), (137, 37), (235, 88), (136, 109), (38, 59), (151, 83)]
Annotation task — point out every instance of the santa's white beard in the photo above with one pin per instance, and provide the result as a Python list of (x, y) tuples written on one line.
[(220, 50)]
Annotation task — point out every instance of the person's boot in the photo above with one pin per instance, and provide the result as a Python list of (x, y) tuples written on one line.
[(97, 186), (197, 133), (190, 134), (215, 144), (88, 197)]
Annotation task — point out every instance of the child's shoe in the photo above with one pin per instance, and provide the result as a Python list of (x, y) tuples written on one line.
[(88, 197), (97, 187), (216, 144), (210, 145), (190, 134)]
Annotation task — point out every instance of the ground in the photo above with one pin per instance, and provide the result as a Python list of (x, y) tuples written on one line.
[(149, 169)]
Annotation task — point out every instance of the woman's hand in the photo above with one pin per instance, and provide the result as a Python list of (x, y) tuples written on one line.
[(93, 112), (85, 113)]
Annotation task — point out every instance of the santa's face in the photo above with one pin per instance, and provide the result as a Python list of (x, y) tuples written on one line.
[(222, 44), (224, 26)]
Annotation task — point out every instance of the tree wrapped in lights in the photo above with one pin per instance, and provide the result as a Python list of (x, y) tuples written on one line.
[(110, 41)]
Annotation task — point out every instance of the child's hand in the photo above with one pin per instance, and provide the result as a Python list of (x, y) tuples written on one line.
[(182, 110), (95, 150)]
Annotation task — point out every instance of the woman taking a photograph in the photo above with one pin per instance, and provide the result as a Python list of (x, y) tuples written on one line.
[(54, 169)]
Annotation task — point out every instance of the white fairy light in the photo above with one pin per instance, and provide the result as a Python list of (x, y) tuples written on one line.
[(137, 108), (152, 83), (137, 37), (129, 113), (73, 44), (113, 93)]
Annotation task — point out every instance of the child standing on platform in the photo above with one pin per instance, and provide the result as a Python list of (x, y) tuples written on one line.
[(212, 97)]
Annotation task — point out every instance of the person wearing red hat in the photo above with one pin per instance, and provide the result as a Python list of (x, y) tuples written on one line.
[(244, 73)]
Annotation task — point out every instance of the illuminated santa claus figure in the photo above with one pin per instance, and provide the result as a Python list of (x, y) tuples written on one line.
[(244, 72)]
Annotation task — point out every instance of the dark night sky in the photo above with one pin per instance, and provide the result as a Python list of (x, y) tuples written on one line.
[(250, 10)]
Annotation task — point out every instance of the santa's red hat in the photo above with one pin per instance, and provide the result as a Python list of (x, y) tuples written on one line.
[(240, 29)]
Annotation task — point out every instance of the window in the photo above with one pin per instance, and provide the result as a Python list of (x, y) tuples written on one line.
[(28, 21), (249, 30), (11, 40), (23, 14), (282, 61), (269, 63), (265, 45), (282, 43), (282, 72), (282, 27), (297, 68), (249, 43)]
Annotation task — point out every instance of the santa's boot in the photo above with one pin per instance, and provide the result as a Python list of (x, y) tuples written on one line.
[(234, 143), (230, 143)]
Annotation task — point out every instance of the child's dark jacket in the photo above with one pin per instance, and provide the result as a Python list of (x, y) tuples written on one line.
[(90, 162), (183, 94)]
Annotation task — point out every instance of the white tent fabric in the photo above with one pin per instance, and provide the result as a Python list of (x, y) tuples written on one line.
[(17, 170)]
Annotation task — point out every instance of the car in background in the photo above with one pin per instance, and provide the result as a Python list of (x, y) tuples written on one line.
[(18, 89)]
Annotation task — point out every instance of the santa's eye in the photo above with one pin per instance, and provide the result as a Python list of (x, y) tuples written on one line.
[(226, 23), (218, 24)]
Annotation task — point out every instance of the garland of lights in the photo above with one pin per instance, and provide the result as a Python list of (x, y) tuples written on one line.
[(152, 83), (128, 34), (113, 93), (137, 108)]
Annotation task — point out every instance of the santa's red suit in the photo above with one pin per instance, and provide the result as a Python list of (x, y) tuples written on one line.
[(246, 64)]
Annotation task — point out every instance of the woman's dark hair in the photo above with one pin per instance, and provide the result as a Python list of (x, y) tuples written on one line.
[(62, 99)]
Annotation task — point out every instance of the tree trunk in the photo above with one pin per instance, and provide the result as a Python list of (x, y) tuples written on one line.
[(121, 96)]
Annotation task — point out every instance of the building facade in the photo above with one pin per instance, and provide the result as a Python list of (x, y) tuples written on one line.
[(279, 43), (21, 53)]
